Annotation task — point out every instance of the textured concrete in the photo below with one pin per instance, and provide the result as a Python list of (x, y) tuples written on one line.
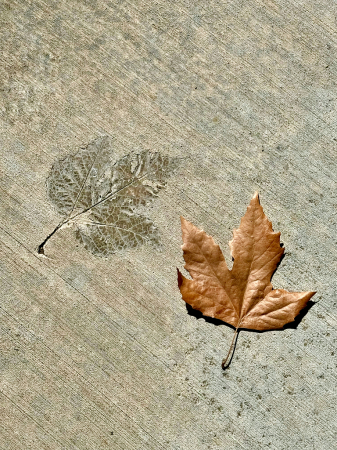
[(246, 91)]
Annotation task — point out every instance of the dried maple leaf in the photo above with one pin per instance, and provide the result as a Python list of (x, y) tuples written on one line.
[(242, 297), (100, 197)]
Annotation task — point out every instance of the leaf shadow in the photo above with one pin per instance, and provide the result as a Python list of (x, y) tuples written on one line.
[(292, 325), (199, 315), (225, 364)]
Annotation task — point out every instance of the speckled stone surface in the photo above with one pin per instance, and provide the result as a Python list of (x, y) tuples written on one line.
[(101, 353)]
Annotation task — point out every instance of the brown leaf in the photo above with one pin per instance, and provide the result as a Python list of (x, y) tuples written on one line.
[(242, 297)]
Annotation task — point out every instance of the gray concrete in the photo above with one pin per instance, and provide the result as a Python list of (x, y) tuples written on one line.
[(246, 90)]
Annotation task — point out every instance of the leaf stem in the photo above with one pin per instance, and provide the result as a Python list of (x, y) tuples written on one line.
[(231, 351), (40, 248)]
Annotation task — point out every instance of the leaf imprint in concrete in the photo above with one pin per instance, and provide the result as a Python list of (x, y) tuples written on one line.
[(244, 296), (99, 198)]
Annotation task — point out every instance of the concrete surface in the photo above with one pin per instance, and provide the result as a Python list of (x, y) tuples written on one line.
[(101, 353)]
